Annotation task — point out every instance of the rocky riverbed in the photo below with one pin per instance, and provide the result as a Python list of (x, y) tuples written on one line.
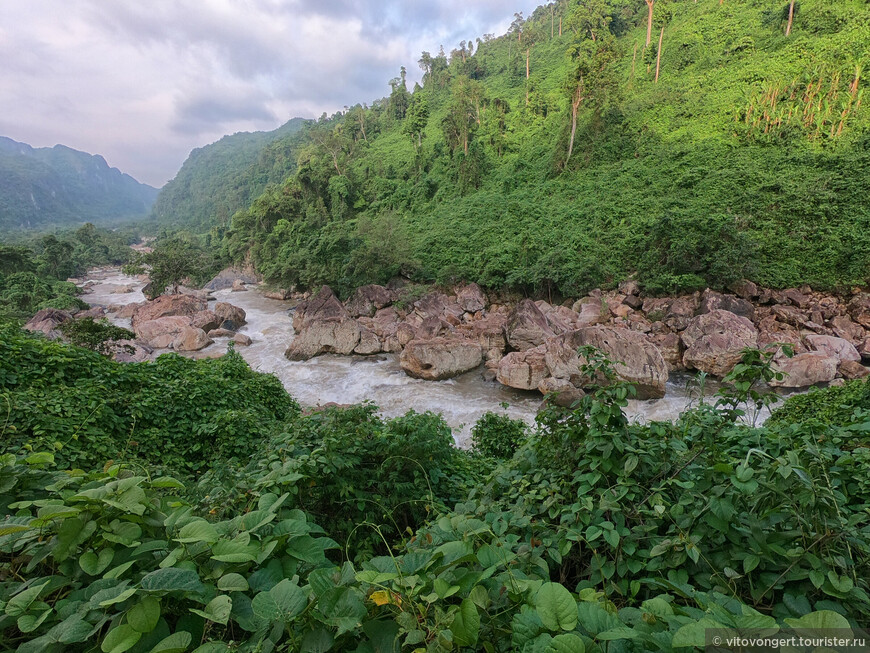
[(461, 354)]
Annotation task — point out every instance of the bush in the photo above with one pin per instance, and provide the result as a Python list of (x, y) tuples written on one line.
[(498, 436)]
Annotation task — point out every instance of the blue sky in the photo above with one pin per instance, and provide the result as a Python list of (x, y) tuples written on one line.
[(143, 83)]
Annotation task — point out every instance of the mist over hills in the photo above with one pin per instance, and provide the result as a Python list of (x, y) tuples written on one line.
[(58, 185)]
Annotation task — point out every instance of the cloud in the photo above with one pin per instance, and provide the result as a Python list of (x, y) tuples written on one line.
[(143, 83)]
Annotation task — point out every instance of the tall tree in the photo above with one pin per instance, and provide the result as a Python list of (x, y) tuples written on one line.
[(649, 21), (790, 17), (416, 120)]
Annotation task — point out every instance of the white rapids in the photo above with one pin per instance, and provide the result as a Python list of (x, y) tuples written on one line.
[(379, 379)]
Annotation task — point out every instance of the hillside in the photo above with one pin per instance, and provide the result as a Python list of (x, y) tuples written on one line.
[(61, 186), (219, 179), (747, 157)]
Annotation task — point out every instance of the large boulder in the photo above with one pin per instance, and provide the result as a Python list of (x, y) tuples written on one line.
[(859, 309), (715, 341), (128, 351), (844, 327), (524, 370), (853, 370), (841, 349), (166, 306), (367, 300), (368, 344), (161, 332), (440, 358), (488, 331), (322, 306), (712, 300), (527, 326), (805, 370), (636, 359), (471, 298), (232, 317), (206, 320), (191, 338), (227, 277), (47, 321), (328, 336)]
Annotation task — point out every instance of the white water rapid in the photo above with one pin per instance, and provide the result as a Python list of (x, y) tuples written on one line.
[(354, 379)]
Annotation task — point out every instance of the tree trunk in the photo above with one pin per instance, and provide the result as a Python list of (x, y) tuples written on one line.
[(790, 17), (659, 54), (649, 20), (527, 62), (560, 26), (575, 104)]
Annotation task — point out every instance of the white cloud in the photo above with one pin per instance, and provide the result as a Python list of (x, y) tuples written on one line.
[(142, 83)]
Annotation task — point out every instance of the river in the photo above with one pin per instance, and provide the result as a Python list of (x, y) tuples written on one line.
[(354, 379)]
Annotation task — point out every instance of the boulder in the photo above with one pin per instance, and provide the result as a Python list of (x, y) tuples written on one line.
[(712, 300), (805, 370), (191, 338), (440, 358), (277, 293), (559, 392), (629, 287), (527, 326), (681, 311), (239, 286), (366, 300), (636, 359), (322, 306), (471, 298), (128, 351), (853, 370), (487, 331), (232, 317), (327, 336), (221, 333), (791, 315), (94, 313), (166, 306), (841, 349), (434, 304), (242, 340), (715, 341), (127, 310), (47, 321), (864, 349), (405, 333), (368, 343), (745, 289), (227, 277), (524, 370), (844, 327), (206, 320), (796, 297), (671, 348), (161, 332), (385, 323), (859, 309)]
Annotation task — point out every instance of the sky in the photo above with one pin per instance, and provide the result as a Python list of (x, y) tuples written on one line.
[(142, 83)]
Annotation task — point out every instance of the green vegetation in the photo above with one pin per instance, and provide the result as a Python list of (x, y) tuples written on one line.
[(174, 260), (59, 186), (749, 157), (33, 274), (340, 531), (219, 179)]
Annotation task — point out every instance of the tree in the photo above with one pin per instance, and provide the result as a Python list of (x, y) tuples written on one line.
[(517, 26), (416, 120), (790, 17), (56, 258), (590, 82), (589, 18), (649, 21), (399, 97), (173, 261)]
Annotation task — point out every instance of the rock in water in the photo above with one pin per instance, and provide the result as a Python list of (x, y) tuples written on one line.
[(329, 336), (805, 370), (168, 305), (440, 358), (715, 341), (232, 317)]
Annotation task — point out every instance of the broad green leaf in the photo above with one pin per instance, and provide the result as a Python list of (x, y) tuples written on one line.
[(197, 531), (120, 639), (232, 583), (143, 616), (175, 643), (27, 623), (93, 564), (556, 607), (167, 482), (19, 603), (217, 610), (695, 634), (466, 624), (566, 643), (820, 620), (172, 579), (120, 598)]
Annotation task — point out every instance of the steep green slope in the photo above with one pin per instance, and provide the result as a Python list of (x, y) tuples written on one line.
[(219, 179), (749, 156), (59, 185)]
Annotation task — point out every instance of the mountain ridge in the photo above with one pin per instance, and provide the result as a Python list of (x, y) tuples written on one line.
[(61, 186)]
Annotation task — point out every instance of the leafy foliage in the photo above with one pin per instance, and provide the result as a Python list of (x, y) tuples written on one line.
[(498, 436)]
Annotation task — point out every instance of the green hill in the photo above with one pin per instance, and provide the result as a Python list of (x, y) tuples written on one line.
[(749, 156), (57, 186), (219, 179)]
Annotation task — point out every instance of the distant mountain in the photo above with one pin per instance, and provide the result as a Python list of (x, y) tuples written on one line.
[(59, 185), (219, 179)]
